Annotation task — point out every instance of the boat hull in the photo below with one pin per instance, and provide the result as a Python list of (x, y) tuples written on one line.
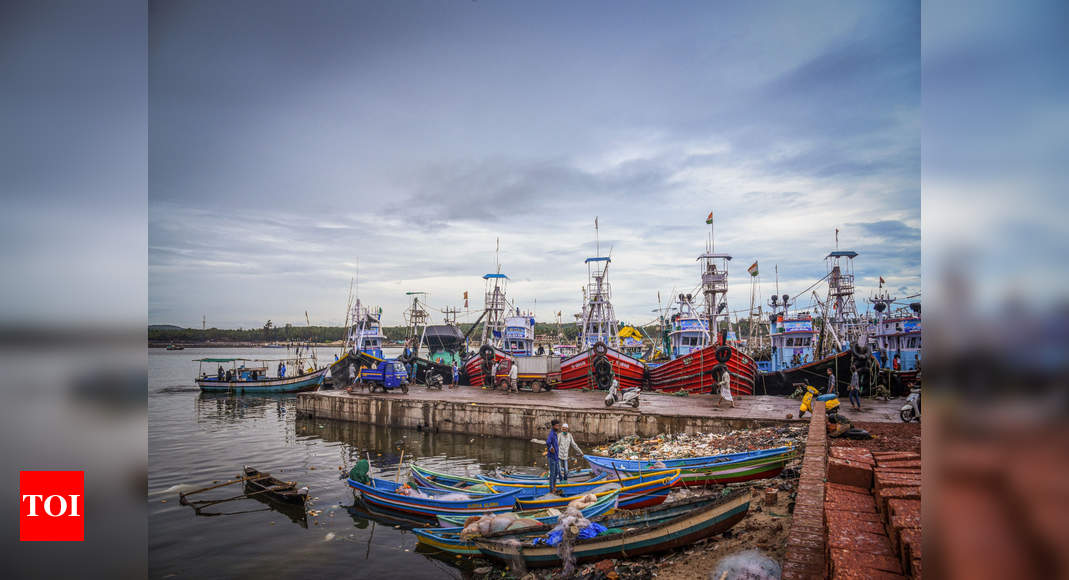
[(693, 372), (814, 373), (577, 372), (651, 491), (679, 531), (474, 371), (382, 495), (296, 384), (721, 469)]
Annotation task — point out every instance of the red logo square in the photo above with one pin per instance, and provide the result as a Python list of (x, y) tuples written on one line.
[(51, 506)]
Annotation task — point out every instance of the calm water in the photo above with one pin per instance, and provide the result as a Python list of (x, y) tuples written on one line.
[(197, 438)]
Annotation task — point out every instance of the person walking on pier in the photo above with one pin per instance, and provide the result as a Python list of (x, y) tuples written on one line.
[(831, 383), (854, 391), (566, 443), (456, 375), (552, 445), (514, 374), (725, 389)]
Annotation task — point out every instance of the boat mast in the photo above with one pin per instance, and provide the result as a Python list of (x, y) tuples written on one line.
[(599, 318), (714, 284), (495, 303), (416, 316), (840, 300)]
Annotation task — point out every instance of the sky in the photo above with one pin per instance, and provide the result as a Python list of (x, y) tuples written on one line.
[(292, 145)]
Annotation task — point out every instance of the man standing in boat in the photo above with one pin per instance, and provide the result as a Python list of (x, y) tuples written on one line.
[(566, 443), (551, 455)]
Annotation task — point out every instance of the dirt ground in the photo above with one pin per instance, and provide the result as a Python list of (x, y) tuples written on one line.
[(888, 437)]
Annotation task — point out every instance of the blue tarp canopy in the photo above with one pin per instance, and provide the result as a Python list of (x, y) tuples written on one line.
[(842, 254), (604, 259), (488, 276)]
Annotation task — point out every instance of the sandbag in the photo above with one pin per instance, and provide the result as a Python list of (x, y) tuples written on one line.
[(583, 502)]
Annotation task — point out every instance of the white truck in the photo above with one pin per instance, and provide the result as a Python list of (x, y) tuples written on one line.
[(537, 373)]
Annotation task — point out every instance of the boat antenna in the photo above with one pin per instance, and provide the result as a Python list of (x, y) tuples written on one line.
[(597, 239), (836, 238)]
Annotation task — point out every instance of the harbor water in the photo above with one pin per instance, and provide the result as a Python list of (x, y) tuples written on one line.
[(196, 439)]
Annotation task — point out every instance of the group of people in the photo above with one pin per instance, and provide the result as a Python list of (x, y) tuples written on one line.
[(559, 444)]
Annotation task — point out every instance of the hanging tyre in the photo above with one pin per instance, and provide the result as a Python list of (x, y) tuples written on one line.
[(600, 349), (723, 354)]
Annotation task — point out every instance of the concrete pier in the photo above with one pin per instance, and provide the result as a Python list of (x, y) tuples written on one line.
[(525, 415)]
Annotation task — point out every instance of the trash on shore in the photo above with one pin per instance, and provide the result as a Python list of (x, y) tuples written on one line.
[(672, 446)]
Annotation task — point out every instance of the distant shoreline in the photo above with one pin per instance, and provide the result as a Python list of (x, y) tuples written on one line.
[(217, 344)]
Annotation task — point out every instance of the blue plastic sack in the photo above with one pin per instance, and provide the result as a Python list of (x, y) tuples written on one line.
[(827, 397), (555, 537), (591, 531)]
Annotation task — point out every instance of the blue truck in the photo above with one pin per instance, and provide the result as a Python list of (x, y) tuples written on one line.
[(382, 374)]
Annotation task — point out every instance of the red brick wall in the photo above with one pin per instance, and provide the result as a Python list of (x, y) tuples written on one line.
[(806, 541)]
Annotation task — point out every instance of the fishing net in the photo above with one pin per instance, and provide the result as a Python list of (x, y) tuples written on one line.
[(747, 565), (495, 523), (359, 472)]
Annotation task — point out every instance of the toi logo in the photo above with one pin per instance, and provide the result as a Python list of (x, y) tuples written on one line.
[(51, 506)]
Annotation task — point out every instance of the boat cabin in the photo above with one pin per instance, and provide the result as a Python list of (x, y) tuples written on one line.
[(793, 341), (898, 335), (519, 334), (689, 331)]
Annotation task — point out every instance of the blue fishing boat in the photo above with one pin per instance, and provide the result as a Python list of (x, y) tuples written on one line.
[(715, 469), (448, 539), (647, 490), (401, 497), (252, 376), (628, 535), (605, 504)]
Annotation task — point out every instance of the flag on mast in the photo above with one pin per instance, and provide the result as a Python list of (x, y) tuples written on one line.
[(882, 282), (709, 220), (752, 269)]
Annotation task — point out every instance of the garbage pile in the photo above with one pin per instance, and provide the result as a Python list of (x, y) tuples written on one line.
[(673, 446)]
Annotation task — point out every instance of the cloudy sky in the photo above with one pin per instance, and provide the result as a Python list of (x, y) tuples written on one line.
[(289, 142)]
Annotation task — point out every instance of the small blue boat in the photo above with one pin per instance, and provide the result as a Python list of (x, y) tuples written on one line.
[(394, 496), (253, 378), (448, 538)]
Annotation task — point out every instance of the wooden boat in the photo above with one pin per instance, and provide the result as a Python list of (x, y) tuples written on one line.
[(579, 371), (263, 485), (387, 494), (448, 538), (431, 478), (605, 504), (648, 490), (718, 469), (254, 379), (700, 351), (533, 489), (657, 530), (600, 358)]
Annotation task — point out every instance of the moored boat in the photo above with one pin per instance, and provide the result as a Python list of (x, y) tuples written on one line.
[(449, 539), (400, 497), (700, 352), (605, 504), (668, 526), (647, 490), (713, 469), (263, 485), (254, 379)]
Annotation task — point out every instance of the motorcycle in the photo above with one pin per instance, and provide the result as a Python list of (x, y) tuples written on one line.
[(628, 396), (912, 409), (831, 401)]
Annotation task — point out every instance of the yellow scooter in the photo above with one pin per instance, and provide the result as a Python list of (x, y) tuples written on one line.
[(831, 402)]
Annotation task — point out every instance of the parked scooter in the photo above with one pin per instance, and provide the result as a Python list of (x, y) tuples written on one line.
[(912, 409), (831, 401), (628, 396)]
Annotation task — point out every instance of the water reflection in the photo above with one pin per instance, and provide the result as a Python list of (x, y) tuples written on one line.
[(454, 452), (231, 408)]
